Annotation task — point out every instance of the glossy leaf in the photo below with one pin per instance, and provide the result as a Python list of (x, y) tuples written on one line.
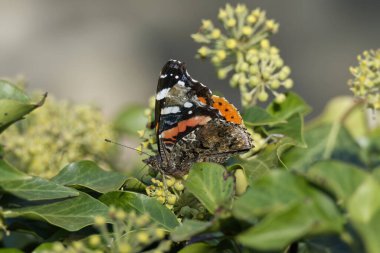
[(36, 189), (256, 116), (88, 174), (142, 204), (199, 247), (293, 104), (211, 185), (71, 214), (364, 212), (293, 129), (12, 92), (188, 229), (13, 110), (341, 179), (324, 142), (8, 172)]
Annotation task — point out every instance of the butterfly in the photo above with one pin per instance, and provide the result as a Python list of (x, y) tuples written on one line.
[(193, 125)]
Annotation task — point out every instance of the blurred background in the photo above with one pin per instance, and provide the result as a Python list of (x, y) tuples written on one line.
[(109, 53)]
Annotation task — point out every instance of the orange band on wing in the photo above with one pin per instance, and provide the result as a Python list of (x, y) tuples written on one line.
[(172, 133), (228, 110)]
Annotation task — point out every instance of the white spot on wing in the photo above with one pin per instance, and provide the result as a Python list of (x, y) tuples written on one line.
[(169, 110), (188, 105), (190, 112), (162, 93), (163, 76), (176, 77)]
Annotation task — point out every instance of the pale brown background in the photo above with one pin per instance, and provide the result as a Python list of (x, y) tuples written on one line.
[(110, 52)]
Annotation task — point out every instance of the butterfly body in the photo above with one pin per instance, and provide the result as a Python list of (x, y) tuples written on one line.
[(192, 125)]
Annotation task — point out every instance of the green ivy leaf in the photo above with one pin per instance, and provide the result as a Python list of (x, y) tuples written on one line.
[(88, 174), (280, 229), (364, 212), (13, 110), (10, 250), (131, 119), (141, 203), (341, 179), (30, 188), (293, 104), (12, 92), (293, 129), (8, 172), (272, 192), (189, 228), (199, 247), (71, 214), (256, 116), (292, 209), (211, 185), (36, 189), (336, 109), (324, 142)]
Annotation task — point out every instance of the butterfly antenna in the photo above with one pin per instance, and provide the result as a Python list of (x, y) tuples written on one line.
[(125, 146)]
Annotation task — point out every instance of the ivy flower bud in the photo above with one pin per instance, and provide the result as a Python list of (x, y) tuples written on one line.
[(275, 84), (288, 83), (247, 30), (231, 43), (271, 25), (99, 221), (251, 19), (215, 34), (179, 186), (120, 215), (171, 199), (240, 8), (94, 240), (161, 199), (257, 12), (207, 24), (222, 14), (263, 96), (203, 52), (265, 44), (280, 98), (254, 81), (221, 54), (160, 233), (143, 237), (235, 80), (170, 181), (231, 22), (125, 248)]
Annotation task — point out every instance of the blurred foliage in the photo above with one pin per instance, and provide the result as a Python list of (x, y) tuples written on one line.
[(60, 133), (366, 78), (306, 188)]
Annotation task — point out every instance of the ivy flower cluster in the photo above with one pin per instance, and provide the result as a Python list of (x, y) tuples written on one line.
[(129, 233), (366, 78), (244, 49), (56, 134), (167, 191)]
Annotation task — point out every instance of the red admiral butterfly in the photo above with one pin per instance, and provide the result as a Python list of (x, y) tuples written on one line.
[(192, 125)]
